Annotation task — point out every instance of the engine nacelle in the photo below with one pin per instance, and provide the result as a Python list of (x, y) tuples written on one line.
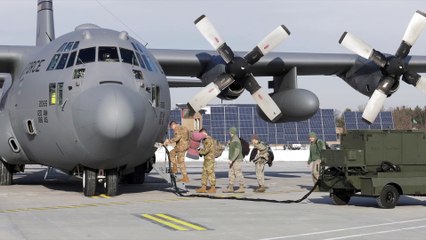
[(295, 105), (364, 77)]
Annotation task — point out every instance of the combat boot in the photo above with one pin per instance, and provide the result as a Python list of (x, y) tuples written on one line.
[(184, 179), (255, 190), (212, 189), (261, 189), (201, 190), (230, 189), (241, 189)]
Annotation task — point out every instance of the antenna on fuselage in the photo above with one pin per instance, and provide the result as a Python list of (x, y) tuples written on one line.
[(45, 27), (122, 22)]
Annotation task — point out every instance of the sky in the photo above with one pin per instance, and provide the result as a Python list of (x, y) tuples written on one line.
[(315, 25)]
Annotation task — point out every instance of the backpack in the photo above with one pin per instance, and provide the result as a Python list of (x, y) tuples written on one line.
[(219, 147), (245, 146), (270, 155)]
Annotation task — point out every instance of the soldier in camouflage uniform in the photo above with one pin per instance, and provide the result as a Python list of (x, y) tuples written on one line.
[(177, 155), (208, 151), (314, 161), (260, 160), (235, 163)]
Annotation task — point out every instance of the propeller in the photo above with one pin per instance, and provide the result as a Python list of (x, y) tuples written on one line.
[(392, 67), (238, 68)]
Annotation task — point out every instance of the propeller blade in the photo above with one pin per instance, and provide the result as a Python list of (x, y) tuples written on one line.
[(421, 84), (209, 92), (267, 44), (374, 106), (209, 32), (356, 45), (415, 28), (263, 100), (361, 48), (415, 79)]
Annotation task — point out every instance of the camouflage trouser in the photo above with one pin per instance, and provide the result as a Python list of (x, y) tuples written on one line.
[(260, 171), (236, 172), (208, 172), (315, 170), (178, 159)]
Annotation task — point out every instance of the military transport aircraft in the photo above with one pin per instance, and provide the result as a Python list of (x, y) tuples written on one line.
[(94, 101)]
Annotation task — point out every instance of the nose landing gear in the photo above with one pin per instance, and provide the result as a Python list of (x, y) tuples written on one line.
[(91, 177)]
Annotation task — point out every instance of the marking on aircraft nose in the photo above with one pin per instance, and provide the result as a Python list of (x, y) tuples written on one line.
[(173, 222)]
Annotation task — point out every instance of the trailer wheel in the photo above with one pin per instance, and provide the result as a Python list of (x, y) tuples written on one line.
[(340, 197), (388, 197)]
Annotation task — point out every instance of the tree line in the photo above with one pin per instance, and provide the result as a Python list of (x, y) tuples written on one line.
[(404, 118)]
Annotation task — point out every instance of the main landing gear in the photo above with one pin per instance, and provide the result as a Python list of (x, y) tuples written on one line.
[(6, 173)]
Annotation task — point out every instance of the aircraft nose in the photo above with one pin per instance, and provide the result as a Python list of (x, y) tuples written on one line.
[(115, 116), (108, 120)]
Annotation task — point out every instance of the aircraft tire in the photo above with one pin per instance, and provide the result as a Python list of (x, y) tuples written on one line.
[(388, 197), (111, 182), (340, 197), (89, 182), (137, 176), (6, 174)]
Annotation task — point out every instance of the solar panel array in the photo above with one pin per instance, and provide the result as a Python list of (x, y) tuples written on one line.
[(245, 118), (353, 121)]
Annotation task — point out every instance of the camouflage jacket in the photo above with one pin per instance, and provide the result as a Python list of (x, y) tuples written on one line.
[(181, 138), (262, 149), (315, 150), (209, 148), (235, 149)]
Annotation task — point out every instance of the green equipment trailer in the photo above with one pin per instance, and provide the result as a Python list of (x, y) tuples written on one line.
[(375, 163)]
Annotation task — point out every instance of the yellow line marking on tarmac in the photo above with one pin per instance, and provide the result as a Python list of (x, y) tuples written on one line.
[(176, 220), (168, 224), (104, 196), (62, 207)]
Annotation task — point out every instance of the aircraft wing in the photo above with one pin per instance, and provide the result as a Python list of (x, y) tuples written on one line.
[(192, 63)]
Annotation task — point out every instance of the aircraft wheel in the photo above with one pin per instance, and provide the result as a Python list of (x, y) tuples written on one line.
[(137, 176), (111, 182), (388, 197), (340, 197), (6, 173), (89, 182)]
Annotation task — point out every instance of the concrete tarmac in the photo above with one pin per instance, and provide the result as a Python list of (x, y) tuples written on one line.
[(55, 208)]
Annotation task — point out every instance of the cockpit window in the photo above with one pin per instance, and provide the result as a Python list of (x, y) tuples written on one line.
[(69, 46), (108, 54), (75, 45), (128, 56), (62, 61), (62, 47), (147, 62), (86, 55), (140, 60), (71, 59), (53, 62)]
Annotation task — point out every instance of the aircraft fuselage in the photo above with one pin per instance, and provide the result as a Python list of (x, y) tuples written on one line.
[(93, 97)]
